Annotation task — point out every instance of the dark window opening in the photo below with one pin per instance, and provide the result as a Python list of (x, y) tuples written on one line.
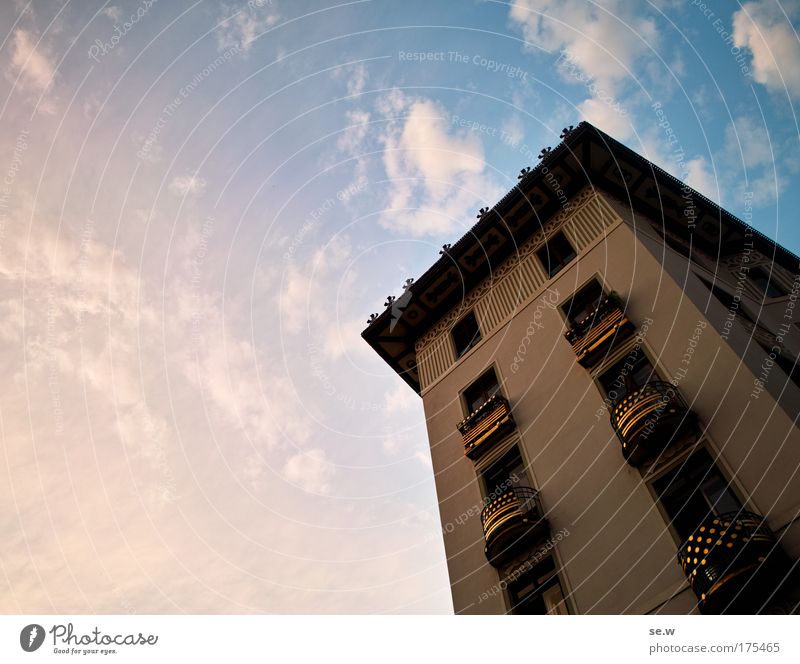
[(727, 300), (627, 375), (466, 334), (765, 283), (555, 254), (693, 492), (537, 592), (504, 474), (583, 303), (481, 390)]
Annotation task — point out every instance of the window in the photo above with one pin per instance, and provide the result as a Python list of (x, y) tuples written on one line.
[(479, 392), (537, 592), (727, 300), (627, 375), (762, 279), (583, 303), (466, 334), (504, 474), (693, 492), (556, 253)]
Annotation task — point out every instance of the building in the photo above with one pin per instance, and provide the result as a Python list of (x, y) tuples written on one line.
[(607, 367)]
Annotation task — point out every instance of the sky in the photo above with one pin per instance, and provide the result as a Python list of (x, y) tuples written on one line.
[(201, 203)]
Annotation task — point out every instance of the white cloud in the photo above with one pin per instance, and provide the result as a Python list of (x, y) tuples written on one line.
[(113, 13), (355, 75), (184, 185), (30, 62), (310, 470), (308, 297), (243, 25), (513, 130), (765, 30), (700, 177), (606, 117), (400, 398), (438, 179), (604, 38), (748, 143)]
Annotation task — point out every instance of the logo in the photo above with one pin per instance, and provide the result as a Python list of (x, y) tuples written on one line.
[(31, 637)]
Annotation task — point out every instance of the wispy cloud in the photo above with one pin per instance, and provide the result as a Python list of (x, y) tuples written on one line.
[(242, 24), (31, 65), (765, 30), (187, 185)]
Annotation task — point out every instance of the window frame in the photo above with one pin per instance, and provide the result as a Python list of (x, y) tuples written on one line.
[(771, 282), (568, 320), (475, 341), (465, 405), (550, 269), (716, 462)]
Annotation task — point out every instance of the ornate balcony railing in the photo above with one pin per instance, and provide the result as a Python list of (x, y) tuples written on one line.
[(733, 563), (593, 336), (511, 521), (649, 419), (486, 425)]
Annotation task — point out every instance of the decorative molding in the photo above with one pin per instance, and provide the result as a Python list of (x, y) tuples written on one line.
[(578, 202)]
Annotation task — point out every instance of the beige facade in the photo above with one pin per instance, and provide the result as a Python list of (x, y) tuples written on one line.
[(608, 529)]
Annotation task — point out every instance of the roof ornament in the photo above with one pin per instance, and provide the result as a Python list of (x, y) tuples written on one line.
[(524, 172), (389, 301), (445, 248), (372, 319), (408, 283), (545, 151), (482, 212), (566, 131)]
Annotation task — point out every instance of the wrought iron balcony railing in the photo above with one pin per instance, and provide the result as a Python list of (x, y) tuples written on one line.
[(593, 336), (512, 521), (733, 563), (649, 419), (486, 425)]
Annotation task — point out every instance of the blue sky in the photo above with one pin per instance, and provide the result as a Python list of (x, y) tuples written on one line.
[(202, 203)]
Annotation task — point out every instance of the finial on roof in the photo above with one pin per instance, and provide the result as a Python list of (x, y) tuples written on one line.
[(524, 172), (566, 131)]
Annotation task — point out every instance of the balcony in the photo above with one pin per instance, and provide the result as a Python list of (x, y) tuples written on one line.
[(512, 521), (592, 337), (733, 563), (650, 419), (486, 425)]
